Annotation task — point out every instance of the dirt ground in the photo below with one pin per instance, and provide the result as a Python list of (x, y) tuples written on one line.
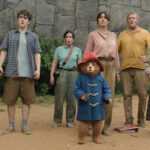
[(45, 137)]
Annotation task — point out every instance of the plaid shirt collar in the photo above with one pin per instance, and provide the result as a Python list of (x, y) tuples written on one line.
[(27, 31)]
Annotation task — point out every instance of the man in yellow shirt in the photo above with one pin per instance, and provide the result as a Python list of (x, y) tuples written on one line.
[(132, 44)]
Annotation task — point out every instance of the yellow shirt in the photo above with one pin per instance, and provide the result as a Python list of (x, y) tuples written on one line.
[(131, 47)]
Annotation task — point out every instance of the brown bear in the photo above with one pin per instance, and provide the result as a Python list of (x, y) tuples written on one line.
[(91, 90)]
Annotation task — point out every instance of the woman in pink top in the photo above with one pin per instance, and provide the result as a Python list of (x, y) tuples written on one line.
[(104, 44)]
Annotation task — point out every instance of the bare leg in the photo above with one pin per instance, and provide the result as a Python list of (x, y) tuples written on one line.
[(11, 117), (25, 116), (11, 112), (25, 111)]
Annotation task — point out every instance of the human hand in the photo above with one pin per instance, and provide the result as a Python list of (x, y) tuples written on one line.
[(142, 58), (148, 76), (1, 71), (85, 97), (52, 80), (36, 75), (117, 77)]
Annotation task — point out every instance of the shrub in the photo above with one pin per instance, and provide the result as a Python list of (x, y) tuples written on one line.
[(48, 47)]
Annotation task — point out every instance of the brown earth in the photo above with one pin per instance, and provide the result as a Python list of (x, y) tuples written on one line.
[(45, 137)]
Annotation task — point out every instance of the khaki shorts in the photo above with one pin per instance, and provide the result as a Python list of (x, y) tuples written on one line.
[(23, 87)]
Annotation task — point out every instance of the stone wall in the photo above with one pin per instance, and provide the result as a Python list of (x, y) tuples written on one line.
[(52, 17)]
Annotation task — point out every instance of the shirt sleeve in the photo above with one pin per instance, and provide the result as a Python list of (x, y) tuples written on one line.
[(119, 43), (56, 53), (147, 60), (90, 43), (4, 45), (79, 54), (37, 44), (117, 62), (147, 39)]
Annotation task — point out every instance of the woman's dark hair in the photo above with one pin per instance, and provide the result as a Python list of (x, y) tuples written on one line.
[(106, 15), (25, 13), (68, 31)]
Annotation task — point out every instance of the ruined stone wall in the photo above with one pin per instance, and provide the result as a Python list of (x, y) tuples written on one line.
[(52, 17)]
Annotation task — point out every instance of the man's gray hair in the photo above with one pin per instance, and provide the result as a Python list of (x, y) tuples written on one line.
[(137, 16)]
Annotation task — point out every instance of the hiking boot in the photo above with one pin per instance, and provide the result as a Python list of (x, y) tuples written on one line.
[(142, 124), (128, 123), (55, 124), (70, 125), (106, 132), (26, 130), (10, 129)]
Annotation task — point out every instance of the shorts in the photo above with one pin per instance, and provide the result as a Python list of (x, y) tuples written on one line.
[(15, 87)]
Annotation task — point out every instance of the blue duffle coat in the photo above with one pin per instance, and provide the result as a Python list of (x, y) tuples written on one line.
[(98, 90)]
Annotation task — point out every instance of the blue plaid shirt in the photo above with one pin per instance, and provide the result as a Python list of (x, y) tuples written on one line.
[(11, 44)]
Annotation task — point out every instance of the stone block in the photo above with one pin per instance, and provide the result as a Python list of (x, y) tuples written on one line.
[(50, 1), (118, 16), (136, 3), (45, 30), (6, 22), (145, 5), (1, 4), (63, 23), (65, 7), (44, 13)]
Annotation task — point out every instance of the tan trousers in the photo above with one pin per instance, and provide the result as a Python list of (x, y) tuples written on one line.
[(134, 77), (109, 73)]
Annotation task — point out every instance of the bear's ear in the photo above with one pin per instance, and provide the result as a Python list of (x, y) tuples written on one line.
[(84, 67)]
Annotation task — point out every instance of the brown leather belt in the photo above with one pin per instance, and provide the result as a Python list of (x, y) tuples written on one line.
[(106, 58)]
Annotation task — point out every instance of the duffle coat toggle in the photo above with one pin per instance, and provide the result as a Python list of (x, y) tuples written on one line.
[(92, 84), (93, 94), (94, 105)]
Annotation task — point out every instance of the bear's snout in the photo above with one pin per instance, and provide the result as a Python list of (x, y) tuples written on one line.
[(90, 67)]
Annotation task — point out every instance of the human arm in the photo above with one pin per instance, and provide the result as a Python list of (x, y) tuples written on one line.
[(3, 55), (79, 56), (117, 62), (147, 62), (106, 92), (54, 64), (37, 63)]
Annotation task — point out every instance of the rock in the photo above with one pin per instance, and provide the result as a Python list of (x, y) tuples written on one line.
[(1, 4), (6, 22), (119, 23), (135, 3), (11, 3), (65, 7), (62, 24), (44, 13), (45, 30), (50, 1), (145, 4), (144, 20)]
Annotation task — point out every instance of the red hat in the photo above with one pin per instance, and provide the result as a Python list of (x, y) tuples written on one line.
[(87, 57)]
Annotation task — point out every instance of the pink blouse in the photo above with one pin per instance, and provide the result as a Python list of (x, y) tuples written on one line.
[(103, 46)]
